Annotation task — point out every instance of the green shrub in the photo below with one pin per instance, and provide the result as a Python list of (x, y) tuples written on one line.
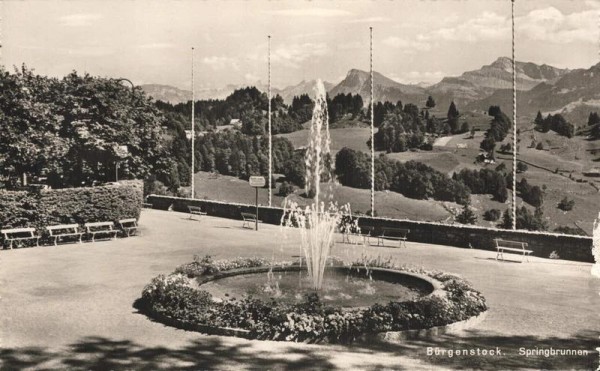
[(70, 205), (569, 230), (286, 189), (492, 215), (566, 205), (466, 216)]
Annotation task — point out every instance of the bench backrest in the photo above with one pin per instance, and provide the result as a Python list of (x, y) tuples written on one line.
[(510, 244), (100, 225), (62, 227), (128, 221), (30, 231), (393, 230), (194, 208), (248, 216)]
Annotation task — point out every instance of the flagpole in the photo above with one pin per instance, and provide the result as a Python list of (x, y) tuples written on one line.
[(514, 71), (270, 140), (372, 129), (193, 124)]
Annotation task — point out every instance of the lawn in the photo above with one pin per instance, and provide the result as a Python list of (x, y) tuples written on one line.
[(354, 138)]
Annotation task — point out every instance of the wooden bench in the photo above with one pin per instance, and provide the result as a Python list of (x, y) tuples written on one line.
[(514, 247), (195, 210), (128, 226), (20, 234), (248, 218), (64, 230), (388, 233), (106, 228)]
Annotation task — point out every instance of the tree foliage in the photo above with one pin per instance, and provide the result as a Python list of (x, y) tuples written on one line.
[(412, 179), (71, 130)]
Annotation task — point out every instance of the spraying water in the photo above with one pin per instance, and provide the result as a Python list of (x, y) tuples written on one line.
[(317, 222), (318, 156)]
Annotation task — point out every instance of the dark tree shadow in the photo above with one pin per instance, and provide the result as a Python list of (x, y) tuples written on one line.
[(211, 352), (208, 353)]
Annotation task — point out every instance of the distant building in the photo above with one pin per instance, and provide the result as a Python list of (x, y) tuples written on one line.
[(595, 172)]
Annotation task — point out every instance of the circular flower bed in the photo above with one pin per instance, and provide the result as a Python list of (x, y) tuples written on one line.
[(177, 299)]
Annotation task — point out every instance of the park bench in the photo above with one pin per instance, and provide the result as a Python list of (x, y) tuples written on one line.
[(389, 233), (64, 230), (195, 210), (248, 219), (514, 247), (20, 234), (101, 228), (128, 226)]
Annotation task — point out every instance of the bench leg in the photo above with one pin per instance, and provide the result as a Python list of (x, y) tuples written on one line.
[(56, 241)]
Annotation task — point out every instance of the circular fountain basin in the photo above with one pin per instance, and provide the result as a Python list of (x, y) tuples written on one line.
[(342, 286)]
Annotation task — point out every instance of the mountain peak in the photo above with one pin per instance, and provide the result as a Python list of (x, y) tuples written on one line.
[(356, 72)]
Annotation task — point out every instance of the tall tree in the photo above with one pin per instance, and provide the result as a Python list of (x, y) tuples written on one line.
[(452, 116), (430, 102)]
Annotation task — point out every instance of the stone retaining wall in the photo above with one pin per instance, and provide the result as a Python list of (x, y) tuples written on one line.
[(569, 247)]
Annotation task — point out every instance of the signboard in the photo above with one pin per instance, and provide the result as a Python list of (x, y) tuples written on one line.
[(257, 181)]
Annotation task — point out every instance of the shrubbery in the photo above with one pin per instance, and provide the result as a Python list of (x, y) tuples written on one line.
[(411, 179), (70, 205), (533, 195), (285, 189), (525, 219), (466, 216), (566, 205), (484, 181), (492, 215), (569, 230), (173, 297)]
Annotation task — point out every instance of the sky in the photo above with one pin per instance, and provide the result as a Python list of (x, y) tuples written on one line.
[(413, 40)]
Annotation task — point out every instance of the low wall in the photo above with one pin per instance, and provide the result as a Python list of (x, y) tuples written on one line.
[(569, 247)]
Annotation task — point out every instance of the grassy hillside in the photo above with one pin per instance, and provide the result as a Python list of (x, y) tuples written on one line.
[(354, 138), (390, 204)]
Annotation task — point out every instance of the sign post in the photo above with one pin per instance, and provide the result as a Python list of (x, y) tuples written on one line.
[(257, 182)]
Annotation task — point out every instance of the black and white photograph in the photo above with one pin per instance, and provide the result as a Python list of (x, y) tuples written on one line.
[(295, 184)]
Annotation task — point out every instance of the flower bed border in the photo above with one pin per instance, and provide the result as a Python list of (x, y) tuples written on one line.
[(437, 289)]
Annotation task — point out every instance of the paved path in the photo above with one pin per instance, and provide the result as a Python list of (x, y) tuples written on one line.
[(71, 306)]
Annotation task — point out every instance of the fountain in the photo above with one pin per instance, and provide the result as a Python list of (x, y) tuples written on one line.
[(317, 222)]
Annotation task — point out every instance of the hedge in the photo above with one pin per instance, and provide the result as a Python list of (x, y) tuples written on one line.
[(70, 205)]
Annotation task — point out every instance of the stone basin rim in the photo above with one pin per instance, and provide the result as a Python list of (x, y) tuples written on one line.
[(435, 286)]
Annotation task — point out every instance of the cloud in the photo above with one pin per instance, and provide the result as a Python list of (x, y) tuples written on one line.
[(90, 51), (78, 20), (488, 26), (250, 77), (221, 63), (551, 25), (415, 77), (292, 55), (407, 45), (156, 46), (369, 20), (310, 12), (547, 25)]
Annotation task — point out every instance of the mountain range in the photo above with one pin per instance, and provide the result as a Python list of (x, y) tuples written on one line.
[(540, 87)]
